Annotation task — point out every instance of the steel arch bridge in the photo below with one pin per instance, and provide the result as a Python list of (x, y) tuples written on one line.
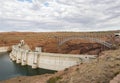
[(62, 39)]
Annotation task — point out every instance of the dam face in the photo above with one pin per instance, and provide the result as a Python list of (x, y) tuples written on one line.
[(9, 69), (51, 61), (35, 62)]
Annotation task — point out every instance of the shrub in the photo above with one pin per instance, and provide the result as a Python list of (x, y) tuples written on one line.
[(53, 79)]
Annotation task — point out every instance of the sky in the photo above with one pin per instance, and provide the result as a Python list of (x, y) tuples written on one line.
[(59, 15)]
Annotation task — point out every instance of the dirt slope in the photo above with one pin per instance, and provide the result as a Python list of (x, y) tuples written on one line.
[(101, 70)]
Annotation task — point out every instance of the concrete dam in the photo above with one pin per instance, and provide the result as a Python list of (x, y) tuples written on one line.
[(53, 61)]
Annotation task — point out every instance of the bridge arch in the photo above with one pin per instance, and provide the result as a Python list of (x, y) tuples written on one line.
[(100, 41)]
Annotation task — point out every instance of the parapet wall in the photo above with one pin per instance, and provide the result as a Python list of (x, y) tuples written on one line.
[(51, 61)]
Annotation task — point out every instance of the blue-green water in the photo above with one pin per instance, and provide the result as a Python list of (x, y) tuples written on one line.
[(9, 69)]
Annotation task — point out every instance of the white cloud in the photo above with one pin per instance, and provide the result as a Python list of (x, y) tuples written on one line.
[(58, 15)]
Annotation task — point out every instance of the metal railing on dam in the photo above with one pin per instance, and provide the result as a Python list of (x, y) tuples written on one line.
[(51, 61)]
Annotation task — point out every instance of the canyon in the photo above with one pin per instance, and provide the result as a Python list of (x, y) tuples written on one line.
[(104, 69)]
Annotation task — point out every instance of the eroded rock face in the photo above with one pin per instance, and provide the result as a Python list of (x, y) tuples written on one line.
[(83, 48)]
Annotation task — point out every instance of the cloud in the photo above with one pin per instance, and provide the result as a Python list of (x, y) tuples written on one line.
[(59, 15)]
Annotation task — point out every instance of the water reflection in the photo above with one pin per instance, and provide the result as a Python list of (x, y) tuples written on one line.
[(9, 69)]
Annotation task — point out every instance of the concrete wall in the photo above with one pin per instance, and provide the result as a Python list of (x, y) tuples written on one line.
[(4, 49), (51, 61)]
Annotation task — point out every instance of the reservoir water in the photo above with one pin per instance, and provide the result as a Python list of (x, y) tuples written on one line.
[(9, 69)]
